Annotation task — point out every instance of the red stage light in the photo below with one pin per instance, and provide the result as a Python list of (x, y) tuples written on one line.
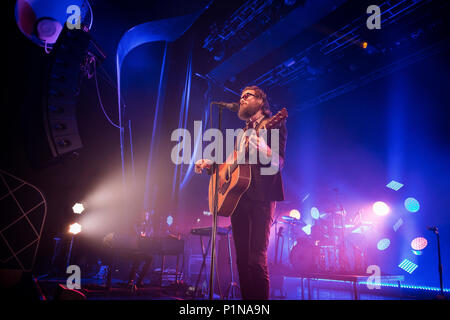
[(419, 243)]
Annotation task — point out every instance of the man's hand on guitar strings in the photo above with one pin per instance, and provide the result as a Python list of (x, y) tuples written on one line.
[(202, 164), (259, 144)]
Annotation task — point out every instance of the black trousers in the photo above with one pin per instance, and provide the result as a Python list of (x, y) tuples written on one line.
[(251, 224), (138, 258)]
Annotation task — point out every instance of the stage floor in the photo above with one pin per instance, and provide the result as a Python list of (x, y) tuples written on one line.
[(95, 289)]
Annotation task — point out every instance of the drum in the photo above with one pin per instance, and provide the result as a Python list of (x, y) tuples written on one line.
[(302, 256)]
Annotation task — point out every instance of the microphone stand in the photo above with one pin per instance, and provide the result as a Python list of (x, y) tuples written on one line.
[(214, 225), (436, 232)]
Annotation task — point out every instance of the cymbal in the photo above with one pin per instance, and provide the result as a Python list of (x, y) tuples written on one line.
[(325, 243), (291, 220), (346, 226)]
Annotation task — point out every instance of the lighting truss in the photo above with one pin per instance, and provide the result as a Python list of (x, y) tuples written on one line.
[(390, 12), (299, 67), (377, 74), (238, 20)]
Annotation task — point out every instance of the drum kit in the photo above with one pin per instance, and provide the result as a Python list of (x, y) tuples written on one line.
[(334, 243)]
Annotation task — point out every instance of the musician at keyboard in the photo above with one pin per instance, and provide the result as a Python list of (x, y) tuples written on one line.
[(144, 230), (252, 216)]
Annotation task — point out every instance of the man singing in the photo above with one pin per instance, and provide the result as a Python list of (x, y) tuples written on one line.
[(253, 215)]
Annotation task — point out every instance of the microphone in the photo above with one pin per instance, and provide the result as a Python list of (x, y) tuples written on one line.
[(433, 228), (233, 106)]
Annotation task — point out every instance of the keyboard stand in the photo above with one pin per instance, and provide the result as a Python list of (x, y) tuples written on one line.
[(233, 286), (204, 255)]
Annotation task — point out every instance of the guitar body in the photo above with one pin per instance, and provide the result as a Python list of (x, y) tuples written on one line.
[(237, 178), (230, 189)]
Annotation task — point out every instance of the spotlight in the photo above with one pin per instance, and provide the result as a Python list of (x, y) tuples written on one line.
[(294, 213), (75, 228), (169, 220), (380, 208), (78, 208), (408, 266), (394, 185), (419, 243), (412, 205), (307, 229), (383, 244), (315, 214), (398, 224), (368, 49), (42, 21), (48, 30)]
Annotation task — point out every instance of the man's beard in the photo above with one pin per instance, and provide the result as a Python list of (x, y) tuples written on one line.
[(247, 113)]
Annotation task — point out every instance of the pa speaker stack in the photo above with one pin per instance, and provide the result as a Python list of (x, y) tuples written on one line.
[(63, 83)]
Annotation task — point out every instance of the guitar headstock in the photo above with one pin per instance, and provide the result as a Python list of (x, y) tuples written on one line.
[(276, 119)]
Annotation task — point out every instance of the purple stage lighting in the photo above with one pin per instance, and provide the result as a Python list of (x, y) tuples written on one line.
[(380, 208)]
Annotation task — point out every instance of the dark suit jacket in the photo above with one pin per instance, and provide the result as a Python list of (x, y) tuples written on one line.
[(269, 187)]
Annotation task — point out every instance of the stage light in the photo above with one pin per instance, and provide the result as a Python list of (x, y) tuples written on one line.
[(307, 229), (408, 266), (78, 208), (419, 243), (412, 205), (75, 228), (383, 244), (42, 21), (294, 213), (394, 185), (380, 208), (364, 45), (169, 220), (315, 214), (206, 213), (417, 253), (398, 224)]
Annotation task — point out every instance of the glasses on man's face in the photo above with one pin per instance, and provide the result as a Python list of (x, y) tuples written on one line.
[(248, 94)]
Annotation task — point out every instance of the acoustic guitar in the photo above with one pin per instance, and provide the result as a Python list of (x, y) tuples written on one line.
[(237, 176)]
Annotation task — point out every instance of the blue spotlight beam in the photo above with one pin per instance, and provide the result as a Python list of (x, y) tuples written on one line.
[(161, 30)]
